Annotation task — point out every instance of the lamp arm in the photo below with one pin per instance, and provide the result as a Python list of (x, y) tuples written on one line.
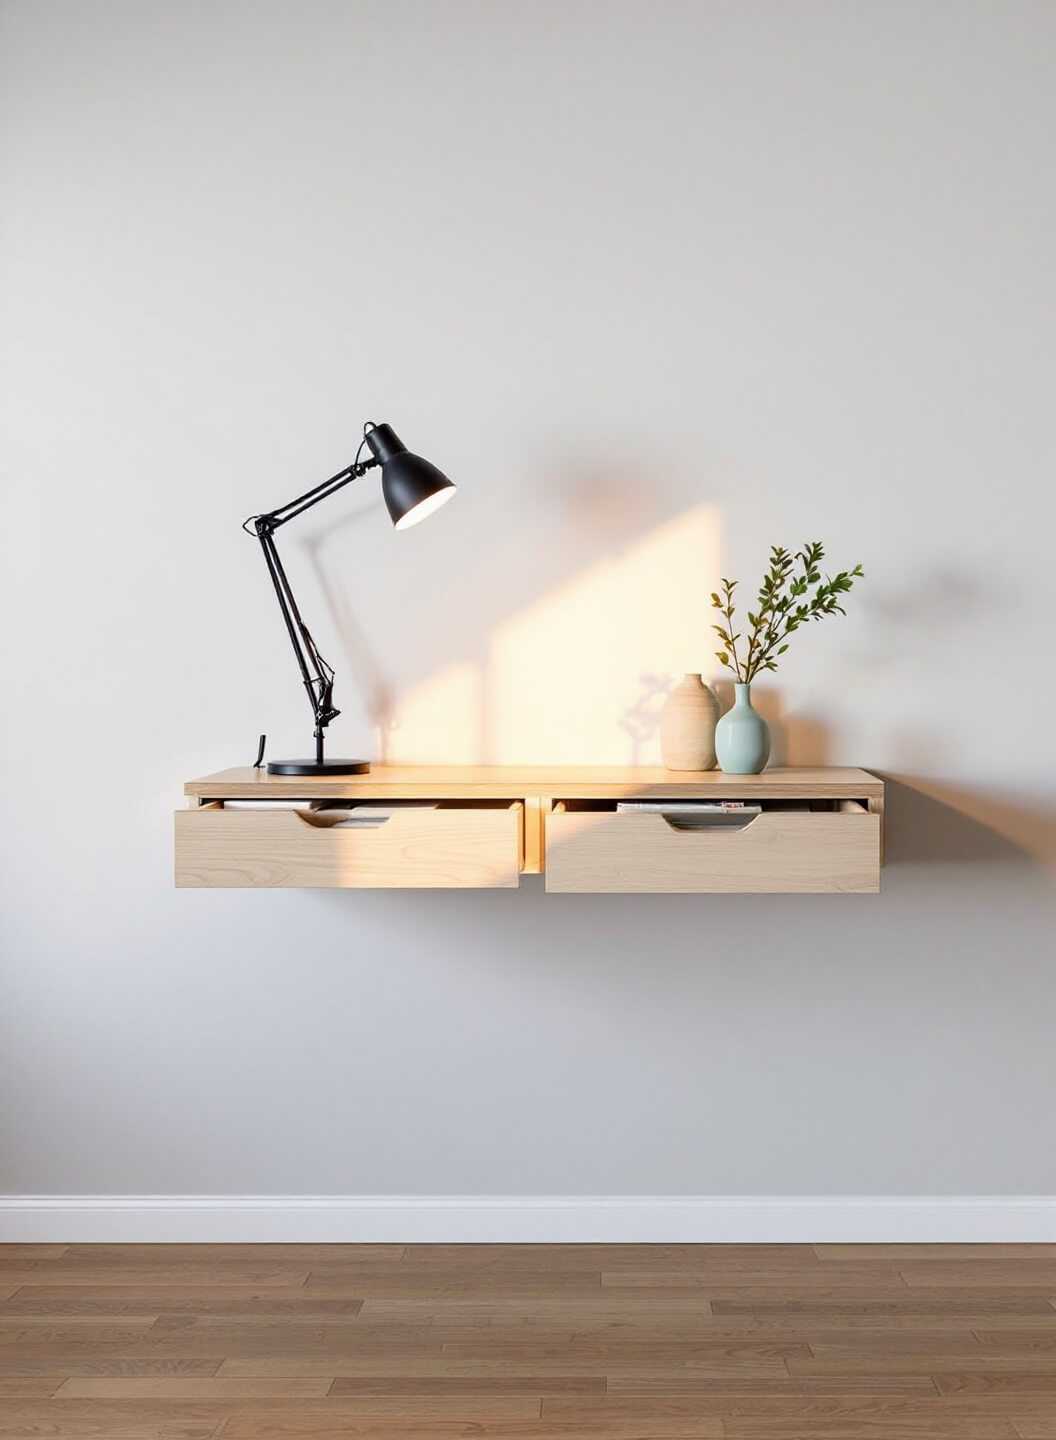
[(316, 674), (304, 502)]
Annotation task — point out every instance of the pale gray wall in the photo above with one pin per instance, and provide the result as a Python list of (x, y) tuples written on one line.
[(642, 277)]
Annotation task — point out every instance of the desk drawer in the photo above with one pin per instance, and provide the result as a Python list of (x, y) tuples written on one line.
[(804, 852), (473, 847)]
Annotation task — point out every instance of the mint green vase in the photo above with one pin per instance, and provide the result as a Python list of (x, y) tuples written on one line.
[(742, 736)]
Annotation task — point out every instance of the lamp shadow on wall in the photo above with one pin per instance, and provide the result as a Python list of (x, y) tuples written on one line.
[(367, 672)]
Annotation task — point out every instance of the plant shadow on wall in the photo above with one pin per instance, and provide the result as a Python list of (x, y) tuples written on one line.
[(641, 718), (798, 739), (913, 628)]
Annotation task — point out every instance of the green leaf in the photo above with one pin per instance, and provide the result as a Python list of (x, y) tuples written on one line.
[(793, 590)]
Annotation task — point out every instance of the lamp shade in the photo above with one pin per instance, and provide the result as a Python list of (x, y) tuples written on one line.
[(412, 487)]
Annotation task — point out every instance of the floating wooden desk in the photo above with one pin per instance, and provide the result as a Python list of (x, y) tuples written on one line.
[(491, 824)]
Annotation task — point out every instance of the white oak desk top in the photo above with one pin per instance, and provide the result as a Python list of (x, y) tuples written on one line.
[(497, 782)]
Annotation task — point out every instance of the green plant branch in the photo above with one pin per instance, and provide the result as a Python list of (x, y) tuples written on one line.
[(793, 591)]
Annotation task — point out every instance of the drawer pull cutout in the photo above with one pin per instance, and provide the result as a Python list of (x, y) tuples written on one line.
[(344, 819), (712, 825)]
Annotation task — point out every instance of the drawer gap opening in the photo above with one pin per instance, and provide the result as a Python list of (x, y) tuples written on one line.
[(701, 813), (676, 805), (364, 814), (322, 806), (373, 814)]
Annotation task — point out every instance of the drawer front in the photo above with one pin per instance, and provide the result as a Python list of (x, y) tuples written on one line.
[(415, 849), (802, 853)]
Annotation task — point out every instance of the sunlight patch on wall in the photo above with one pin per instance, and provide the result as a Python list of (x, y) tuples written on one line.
[(440, 721), (578, 676)]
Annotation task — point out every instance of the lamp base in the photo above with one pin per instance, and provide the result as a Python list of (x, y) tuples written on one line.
[(318, 767)]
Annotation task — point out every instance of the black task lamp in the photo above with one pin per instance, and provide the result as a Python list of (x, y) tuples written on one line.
[(413, 489)]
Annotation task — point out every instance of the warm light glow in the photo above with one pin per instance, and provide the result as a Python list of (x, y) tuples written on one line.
[(579, 675), (443, 724), (425, 507)]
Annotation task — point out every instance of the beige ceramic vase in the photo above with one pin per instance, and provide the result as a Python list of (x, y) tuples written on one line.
[(687, 726)]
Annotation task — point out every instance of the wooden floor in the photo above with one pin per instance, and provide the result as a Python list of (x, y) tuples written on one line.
[(750, 1342)]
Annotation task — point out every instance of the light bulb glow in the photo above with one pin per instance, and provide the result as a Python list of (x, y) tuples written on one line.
[(425, 507)]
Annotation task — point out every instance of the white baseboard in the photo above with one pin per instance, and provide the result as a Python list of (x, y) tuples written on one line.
[(618, 1219)]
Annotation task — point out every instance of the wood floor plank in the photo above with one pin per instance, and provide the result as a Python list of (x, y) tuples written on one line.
[(53, 1327), (748, 1298), (263, 1330), (904, 1303), (425, 1284), (89, 1423), (1013, 1274), (548, 1311), (452, 1385), (747, 1357), (1018, 1339), (791, 1416), (298, 1409), (419, 1363), (422, 1354), (775, 1407), (970, 1254), (540, 1342), (109, 1361), (252, 1256), (47, 1273), (747, 1276), (320, 1410), (834, 1360), (187, 1387), (603, 1256), (233, 1338), (270, 1427), (35, 1330), (688, 1317), (29, 1386), (906, 1339), (22, 1253), (155, 1299), (340, 1272), (999, 1381), (868, 1429), (471, 1410), (650, 1382)]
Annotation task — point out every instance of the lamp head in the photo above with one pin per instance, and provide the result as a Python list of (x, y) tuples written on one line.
[(412, 487)]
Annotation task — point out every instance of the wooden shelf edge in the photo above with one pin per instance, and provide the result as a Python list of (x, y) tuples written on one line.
[(537, 782)]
